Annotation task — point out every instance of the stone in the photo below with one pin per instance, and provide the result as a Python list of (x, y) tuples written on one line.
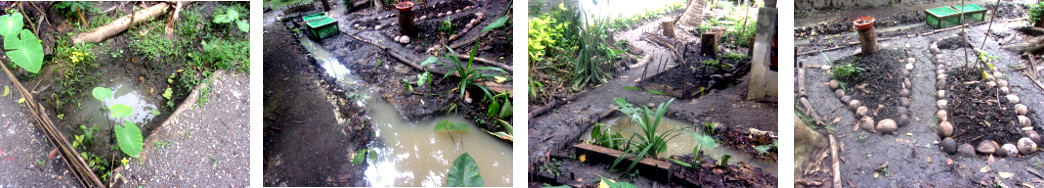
[(1002, 83), (945, 129), (903, 120), (991, 84), (940, 94), (846, 99), (1024, 121), (405, 39), (854, 104), (942, 115), (1021, 109), (1027, 146), (1008, 150), (966, 149), (1032, 135), (949, 145), (904, 101), (833, 84), (909, 67), (902, 110), (941, 84), (867, 123), (941, 77), (1005, 90), (905, 92), (862, 111), (887, 126), (986, 147), (941, 104)]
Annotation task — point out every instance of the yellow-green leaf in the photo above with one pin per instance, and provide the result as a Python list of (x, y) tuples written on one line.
[(21, 100), (7, 91), (984, 169), (1005, 175)]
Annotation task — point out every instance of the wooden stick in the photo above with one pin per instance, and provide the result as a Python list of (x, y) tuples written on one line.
[(837, 165), (488, 62), (72, 158), (540, 111), (119, 25)]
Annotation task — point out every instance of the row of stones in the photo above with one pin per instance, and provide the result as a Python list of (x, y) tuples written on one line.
[(1026, 145), (417, 19), (886, 125)]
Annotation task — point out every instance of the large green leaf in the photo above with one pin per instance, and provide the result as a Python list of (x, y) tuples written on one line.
[(505, 111), (243, 25), (464, 173), (446, 125), (121, 111), (233, 14), (102, 93), (28, 52), (129, 138), (10, 24)]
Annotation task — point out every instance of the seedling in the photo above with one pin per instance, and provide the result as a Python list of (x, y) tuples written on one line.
[(128, 136), (447, 126)]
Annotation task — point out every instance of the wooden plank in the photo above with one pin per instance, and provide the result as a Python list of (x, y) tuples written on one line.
[(650, 168)]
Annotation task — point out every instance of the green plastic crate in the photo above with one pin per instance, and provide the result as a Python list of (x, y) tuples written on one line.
[(972, 13), (312, 17), (323, 27), (942, 17)]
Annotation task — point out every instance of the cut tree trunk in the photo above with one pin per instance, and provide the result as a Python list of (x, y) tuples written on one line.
[(693, 15), (667, 24), (120, 25), (1033, 45)]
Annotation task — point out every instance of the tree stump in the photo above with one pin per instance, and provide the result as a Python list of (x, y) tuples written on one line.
[(709, 43), (667, 24)]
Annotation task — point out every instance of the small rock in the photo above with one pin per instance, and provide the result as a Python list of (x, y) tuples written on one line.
[(986, 147), (474, 22), (854, 104), (1021, 109), (905, 92), (839, 93), (966, 149), (862, 111), (1025, 121), (867, 123), (825, 68), (397, 38), (906, 73), (1008, 150), (1002, 83), (480, 15), (904, 101), (911, 60), (902, 110), (377, 27), (903, 120), (941, 84), (440, 15), (458, 11), (940, 94), (424, 17), (942, 115), (1027, 146), (405, 39), (998, 74), (949, 145), (941, 104), (887, 126), (846, 99), (1012, 98), (449, 12), (1005, 90), (1032, 135), (909, 67), (945, 129), (940, 77), (834, 84), (991, 84)]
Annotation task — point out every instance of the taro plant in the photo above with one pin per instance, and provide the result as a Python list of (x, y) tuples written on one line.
[(647, 141), (464, 173), (128, 136), (448, 126), (362, 154), (21, 45), (606, 137), (77, 9)]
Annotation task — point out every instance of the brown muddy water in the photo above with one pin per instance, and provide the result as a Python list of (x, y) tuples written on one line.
[(411, 153), (683, 144)]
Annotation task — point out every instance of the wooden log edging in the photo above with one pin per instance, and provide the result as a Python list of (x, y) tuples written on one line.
[(83, 172)]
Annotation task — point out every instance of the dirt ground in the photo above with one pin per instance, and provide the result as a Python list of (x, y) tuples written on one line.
[(24, 149), (913, 156), (301, 125), (552, 134), (193, 149)]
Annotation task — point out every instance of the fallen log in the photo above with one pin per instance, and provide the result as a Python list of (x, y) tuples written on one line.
[(488, 62), (837, 165), (174, 18), (1032, 45), (119, 25)]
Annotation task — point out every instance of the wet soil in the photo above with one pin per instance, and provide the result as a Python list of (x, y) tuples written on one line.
[(879, 85), (685, 81), (552, 133), (913, 156), (980, 112), (307, 141), (318, 109)]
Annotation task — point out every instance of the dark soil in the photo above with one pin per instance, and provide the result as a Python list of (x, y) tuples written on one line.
[(979, 112), (684, 81), (710, 175), (879, 85), (303, 142), (951, 43)]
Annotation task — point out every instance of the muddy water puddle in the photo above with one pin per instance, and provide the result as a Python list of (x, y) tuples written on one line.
[(411, 153), (95, 113), (683, 144)]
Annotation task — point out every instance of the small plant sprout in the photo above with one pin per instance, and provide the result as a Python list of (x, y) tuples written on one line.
[(128, 136), (448, 126), (647, 142)]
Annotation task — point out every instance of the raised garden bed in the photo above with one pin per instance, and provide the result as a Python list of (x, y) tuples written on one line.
[(880, 93)]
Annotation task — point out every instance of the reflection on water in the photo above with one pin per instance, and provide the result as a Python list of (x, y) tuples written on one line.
[(413, 154), (96, 111), (332, 67), (683, 144)]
